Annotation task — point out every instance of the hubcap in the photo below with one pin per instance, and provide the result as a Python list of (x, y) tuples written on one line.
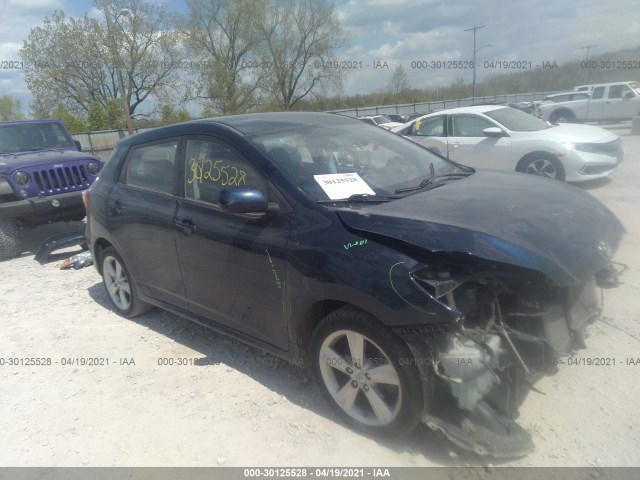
[(360, 377), (542, 167), (117, 283)]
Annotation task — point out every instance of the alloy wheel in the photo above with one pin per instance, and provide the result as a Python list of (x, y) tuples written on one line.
[(360, 377), (117, 283)]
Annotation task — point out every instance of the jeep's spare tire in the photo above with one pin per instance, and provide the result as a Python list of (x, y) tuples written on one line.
[(9, 238)]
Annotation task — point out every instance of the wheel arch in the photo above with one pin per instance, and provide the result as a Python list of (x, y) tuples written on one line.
[(562, 110), (99, 246), (311, 318)]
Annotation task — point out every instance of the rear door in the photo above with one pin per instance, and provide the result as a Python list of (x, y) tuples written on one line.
[(232, 264), (141, 209)]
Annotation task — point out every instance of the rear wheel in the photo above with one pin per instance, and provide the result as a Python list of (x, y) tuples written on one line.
[(9, 238), (120, 286), (563, 116), (365, 372)]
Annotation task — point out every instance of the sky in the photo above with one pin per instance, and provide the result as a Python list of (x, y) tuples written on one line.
[(414, 33)]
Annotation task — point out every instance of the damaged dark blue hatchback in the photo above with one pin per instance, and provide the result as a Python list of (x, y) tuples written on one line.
[(417, 289)]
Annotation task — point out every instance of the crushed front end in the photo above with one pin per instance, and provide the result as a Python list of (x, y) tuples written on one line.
[(512, 329)]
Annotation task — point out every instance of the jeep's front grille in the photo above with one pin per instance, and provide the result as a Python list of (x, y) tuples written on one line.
[(61, 179)]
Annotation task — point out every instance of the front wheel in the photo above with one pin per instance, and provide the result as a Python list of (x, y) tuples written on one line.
[(120, 286), (366, 373), (543, 166), (9, 238)]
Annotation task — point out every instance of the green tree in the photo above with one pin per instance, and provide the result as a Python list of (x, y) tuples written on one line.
[(96, 117), (10, 109), (74, 123), (72, 59), (113, 114), (169, 115)]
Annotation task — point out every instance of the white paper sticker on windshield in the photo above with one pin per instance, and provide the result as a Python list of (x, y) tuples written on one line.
[(343, 185)]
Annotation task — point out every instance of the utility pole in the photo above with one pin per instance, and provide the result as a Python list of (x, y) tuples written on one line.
[(586, 73), (474, 28), (118, 65)]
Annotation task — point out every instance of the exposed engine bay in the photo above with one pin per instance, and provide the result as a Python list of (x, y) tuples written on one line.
[(511, 331)]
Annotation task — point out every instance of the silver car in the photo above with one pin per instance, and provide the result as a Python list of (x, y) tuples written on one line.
[(504, 138)]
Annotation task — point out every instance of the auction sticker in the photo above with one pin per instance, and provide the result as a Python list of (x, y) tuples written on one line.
[(342, 185)]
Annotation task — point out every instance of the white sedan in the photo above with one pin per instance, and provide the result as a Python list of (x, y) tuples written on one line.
[(503, 138)]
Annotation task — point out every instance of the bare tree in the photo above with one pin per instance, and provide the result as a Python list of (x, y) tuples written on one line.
[(399, 82), (68, 61), (223, 39), (301, 38)]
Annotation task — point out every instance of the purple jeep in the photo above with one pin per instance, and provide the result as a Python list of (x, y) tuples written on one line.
[(42, 176)]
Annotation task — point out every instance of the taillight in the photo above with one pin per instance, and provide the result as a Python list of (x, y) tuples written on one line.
[(85, 199)]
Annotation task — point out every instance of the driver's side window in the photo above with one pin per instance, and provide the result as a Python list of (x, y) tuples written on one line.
[(469, 126), (211, 167)]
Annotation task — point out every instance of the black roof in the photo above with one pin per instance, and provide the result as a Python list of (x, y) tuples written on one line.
[(245, 124), (252, 123)]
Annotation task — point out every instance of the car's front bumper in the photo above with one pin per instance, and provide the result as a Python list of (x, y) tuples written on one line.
[(29, 207), (582, 166)]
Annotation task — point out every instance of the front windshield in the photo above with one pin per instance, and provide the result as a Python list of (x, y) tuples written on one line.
[(22, 137), (517, 120), (384, 161)]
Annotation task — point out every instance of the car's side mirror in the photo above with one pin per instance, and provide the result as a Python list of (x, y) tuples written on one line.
[(494, 132), (78, 145), (629, 95), (245, 200)]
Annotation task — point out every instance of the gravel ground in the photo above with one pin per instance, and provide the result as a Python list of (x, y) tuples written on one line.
[(233, 405)]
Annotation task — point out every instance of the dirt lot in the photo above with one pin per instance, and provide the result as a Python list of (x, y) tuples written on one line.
[(235, 406)]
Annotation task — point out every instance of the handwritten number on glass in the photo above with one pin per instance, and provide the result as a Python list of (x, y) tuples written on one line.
[(225, 175)]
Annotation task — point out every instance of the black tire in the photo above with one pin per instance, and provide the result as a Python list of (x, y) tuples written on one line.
[(120, 286), (398, 391), (563, 116), (9, 238), (543, 165)]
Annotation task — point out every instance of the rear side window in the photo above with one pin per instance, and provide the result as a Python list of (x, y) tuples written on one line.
[(598, 92), (153, 166), (429, 127)]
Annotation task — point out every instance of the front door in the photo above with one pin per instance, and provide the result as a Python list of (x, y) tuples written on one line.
[(469, 146), (621, 103), (232, 264)]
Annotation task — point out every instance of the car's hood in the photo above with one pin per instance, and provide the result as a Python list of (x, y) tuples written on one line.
[(519, 219), (8, 161), (573, 133)]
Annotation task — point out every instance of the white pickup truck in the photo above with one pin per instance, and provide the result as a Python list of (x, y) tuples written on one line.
[(608, 102)]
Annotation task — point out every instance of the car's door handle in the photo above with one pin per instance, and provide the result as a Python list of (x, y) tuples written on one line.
[(186, 225), (456, 145)]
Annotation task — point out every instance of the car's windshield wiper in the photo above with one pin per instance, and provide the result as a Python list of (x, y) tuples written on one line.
[(430, 181), (360, 198)]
